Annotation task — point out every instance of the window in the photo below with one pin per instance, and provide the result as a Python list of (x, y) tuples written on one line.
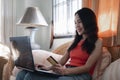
[(0, 21), (63, 16)]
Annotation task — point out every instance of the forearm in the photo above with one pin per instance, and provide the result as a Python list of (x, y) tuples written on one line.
[(76, 70), (64, 59), (62, 62)]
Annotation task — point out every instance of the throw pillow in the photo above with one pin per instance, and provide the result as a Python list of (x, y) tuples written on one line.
[(112, 72), (40, 56), (102, 64)]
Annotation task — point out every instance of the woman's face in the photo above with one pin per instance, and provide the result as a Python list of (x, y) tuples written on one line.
[(78, 25)]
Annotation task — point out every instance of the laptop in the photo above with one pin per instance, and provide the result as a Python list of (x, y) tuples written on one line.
[(21, 46)]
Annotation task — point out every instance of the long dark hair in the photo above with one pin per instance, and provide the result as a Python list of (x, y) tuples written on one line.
[(89, 22)]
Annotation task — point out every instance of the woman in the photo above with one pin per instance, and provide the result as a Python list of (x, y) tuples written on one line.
[(82, 54)]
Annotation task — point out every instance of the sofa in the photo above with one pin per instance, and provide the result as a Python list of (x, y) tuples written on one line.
[(103, 71)]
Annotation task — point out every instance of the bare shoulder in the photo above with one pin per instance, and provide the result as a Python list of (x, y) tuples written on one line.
[(99, 42)]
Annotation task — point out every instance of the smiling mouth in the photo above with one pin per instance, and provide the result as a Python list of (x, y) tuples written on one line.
[(79, 30)]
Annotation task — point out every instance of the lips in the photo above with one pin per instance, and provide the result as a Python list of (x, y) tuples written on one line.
[(79, 30)]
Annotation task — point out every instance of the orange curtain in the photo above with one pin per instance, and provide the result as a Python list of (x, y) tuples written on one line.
[(107, 12), (118, 27), (93, 4), (108, 17)]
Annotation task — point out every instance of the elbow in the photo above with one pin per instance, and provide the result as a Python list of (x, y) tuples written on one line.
[(87, 68)]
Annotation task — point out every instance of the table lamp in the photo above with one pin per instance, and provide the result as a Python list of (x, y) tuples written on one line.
[(32, 19)]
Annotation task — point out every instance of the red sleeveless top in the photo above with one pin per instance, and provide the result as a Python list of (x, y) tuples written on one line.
[(78, 57)]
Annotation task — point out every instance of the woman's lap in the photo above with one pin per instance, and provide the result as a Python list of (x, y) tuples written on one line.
[(21, 75), (35, 76)]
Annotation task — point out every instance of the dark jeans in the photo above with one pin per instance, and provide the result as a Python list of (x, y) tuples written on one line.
[(25, 75)]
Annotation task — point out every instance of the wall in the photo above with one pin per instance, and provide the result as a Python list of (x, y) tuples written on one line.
[(42, 36)]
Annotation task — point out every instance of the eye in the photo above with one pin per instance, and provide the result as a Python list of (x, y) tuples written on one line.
[(79, 21)]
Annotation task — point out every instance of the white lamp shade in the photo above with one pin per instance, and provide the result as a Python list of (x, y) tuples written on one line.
[(33, 18)]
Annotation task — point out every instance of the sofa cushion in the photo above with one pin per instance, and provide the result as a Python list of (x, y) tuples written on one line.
[(4, 51)]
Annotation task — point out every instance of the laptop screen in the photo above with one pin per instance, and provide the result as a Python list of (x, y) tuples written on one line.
[(21, 47)]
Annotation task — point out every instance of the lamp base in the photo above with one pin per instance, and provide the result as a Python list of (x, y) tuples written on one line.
[(32, 31), (35, 46)]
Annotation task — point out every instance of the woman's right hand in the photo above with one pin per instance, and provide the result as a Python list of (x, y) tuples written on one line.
[(40, 66)]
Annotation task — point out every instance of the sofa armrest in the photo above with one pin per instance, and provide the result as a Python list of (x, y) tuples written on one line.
[(3, 61), (7, 70)]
